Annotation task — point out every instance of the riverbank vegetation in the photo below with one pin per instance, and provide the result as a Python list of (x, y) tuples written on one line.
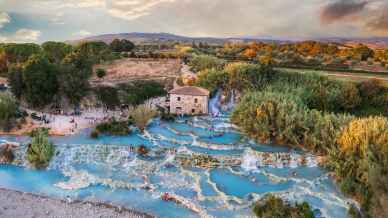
[(273, 207), (112, 127), (40, 151), (345, 121)]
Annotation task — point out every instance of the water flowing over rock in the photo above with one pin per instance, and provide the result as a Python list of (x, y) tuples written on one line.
[(204, 164)]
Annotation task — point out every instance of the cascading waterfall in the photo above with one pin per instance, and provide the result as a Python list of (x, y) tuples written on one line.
[(214, 104)]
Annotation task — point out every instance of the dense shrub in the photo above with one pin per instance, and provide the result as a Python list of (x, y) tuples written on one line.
[(112, 127), (212, 79), (273, 207), (236, 76), (137, 92), (8, 111), (40, 151), (203, 62), (100, 73), (361, 161), (108, 96), (275, 117)]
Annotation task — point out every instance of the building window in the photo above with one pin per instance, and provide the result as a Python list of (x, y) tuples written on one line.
[(178, 98), (192, 110), (195, 100)]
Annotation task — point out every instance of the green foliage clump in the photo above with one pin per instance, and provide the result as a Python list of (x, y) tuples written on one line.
[(360, 163), (212, 79), (56, 51), (122, 45), (100, 73), (134, 93), (108, 96), (275, 117), (137, 92), (40, 151), (203, 62), (95, 51), (40, 81), (8, 111), (274, 207), (112, 127), (236, 76)]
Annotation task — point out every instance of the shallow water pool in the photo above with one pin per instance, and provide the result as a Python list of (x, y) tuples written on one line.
[(107, 170)]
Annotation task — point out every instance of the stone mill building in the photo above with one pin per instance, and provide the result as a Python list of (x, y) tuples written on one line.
[(189, 100)]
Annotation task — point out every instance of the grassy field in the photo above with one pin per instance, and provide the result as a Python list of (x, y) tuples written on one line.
[(347, 76), (128, 69)]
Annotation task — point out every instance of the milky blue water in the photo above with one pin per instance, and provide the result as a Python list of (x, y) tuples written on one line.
[(105, 169)]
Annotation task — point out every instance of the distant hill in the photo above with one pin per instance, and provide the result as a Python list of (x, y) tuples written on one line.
[(163, 37), (374, 42)]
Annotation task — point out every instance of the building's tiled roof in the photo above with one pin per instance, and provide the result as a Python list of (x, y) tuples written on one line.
[(190, 90)]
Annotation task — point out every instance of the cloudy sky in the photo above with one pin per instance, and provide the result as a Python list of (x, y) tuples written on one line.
[(42, 20)]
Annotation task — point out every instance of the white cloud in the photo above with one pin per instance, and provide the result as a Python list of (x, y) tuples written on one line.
[(82, 33), (133, 9), (21, 36), (4, 19), (82, 3)]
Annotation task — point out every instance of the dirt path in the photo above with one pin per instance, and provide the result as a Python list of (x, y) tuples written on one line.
[(15, 204)]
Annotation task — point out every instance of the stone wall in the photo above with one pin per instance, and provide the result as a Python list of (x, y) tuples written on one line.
[(188, 104)]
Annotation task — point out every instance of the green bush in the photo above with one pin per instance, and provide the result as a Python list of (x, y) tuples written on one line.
[(100, 73), (274, 207), (108, 96), (112, 127), (40, 151)]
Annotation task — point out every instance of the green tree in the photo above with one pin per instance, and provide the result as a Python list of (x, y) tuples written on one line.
[(40, 80), (8, 109), (56, 51), (15, 79), (108, 96), (40, 151), (95, 51), (19, 53), (122, 45)]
